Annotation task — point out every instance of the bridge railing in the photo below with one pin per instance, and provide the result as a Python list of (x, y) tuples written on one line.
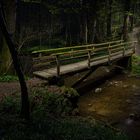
[(45, 59)]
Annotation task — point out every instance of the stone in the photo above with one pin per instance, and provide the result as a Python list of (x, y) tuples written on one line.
[(128, 101), (106, 70), (125, 86), (131, 75), (136, 94), (98, 90), (110, 83), (131, 115), (89, 104), (129, 121), (117, 85), (93, 110), (75, 112), (134, 116), (134, 86)]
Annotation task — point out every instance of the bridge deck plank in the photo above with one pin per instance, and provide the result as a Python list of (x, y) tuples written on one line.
[(65, 69)]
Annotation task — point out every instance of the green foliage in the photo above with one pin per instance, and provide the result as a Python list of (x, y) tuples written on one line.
[(10, 78), (136, 65), (57, 103), (69, 92), (50, 128), (61, 102), (10, 104), (51, 43), (45, 126), (62, 6)]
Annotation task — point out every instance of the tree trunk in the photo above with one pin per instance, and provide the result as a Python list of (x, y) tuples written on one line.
[(5, 56), (86, 31), (24, 93), (132, 17), (18, 16), (109, 18), (126, 17)]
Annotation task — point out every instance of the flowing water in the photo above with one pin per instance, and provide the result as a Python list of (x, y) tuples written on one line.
[(117, 102)]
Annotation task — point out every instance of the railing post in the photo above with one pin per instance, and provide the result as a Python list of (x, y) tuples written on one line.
[(123, 51), (89, 57), (40, 54), (72, 53), (134, 47), (109, 52), (58, 65)]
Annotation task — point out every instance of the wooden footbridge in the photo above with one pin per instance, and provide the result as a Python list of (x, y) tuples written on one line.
[(61, 61)]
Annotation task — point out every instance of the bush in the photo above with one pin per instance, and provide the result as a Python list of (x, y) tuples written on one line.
[(48, 128), (61, 102), (10, 78), (10, 104), (44, 126), (136, 65)]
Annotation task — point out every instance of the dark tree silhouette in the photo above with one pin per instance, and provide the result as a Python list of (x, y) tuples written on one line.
[(24, 92)]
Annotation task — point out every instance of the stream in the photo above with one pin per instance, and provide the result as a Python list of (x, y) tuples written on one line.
[(117, 102)]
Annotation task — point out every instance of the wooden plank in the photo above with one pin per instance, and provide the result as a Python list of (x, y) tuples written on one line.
[(122, 44), (113, 50), (74, 57), (40, 64), (116, 49), (50, 57), (73, 52), (51, 51), (75, 47), (77, 66), (99, 58)]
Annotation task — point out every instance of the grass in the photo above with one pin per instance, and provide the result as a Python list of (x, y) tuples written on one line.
[(136, 65), (49, 128), (10, 78), (45, 126)]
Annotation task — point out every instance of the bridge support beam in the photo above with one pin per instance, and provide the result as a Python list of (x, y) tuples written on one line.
[(125, 62)]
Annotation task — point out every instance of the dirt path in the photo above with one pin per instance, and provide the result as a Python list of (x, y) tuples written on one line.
[(7, 88), (135, 36)]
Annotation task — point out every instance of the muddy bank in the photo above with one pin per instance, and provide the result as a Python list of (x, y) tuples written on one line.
[(84, 81), (117, 102)]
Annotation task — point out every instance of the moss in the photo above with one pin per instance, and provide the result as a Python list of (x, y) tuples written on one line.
[(136, 65), (10, 78), (5, 58)]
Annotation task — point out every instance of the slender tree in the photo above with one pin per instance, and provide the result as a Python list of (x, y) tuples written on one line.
[(24, 93), (127, 4), (109, 17)]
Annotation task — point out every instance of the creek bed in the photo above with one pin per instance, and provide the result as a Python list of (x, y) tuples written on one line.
[(117, 102)]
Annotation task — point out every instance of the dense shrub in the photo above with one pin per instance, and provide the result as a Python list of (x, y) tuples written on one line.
[(60, 102), (136, 65)]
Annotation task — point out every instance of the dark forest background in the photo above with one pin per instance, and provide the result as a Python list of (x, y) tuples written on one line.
[(43, 24)]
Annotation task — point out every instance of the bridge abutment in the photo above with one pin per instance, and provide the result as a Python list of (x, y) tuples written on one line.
[(125, 62)]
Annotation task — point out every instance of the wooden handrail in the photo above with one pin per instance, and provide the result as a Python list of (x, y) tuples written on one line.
[(91, 52), (72, 52), (75, 47)]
